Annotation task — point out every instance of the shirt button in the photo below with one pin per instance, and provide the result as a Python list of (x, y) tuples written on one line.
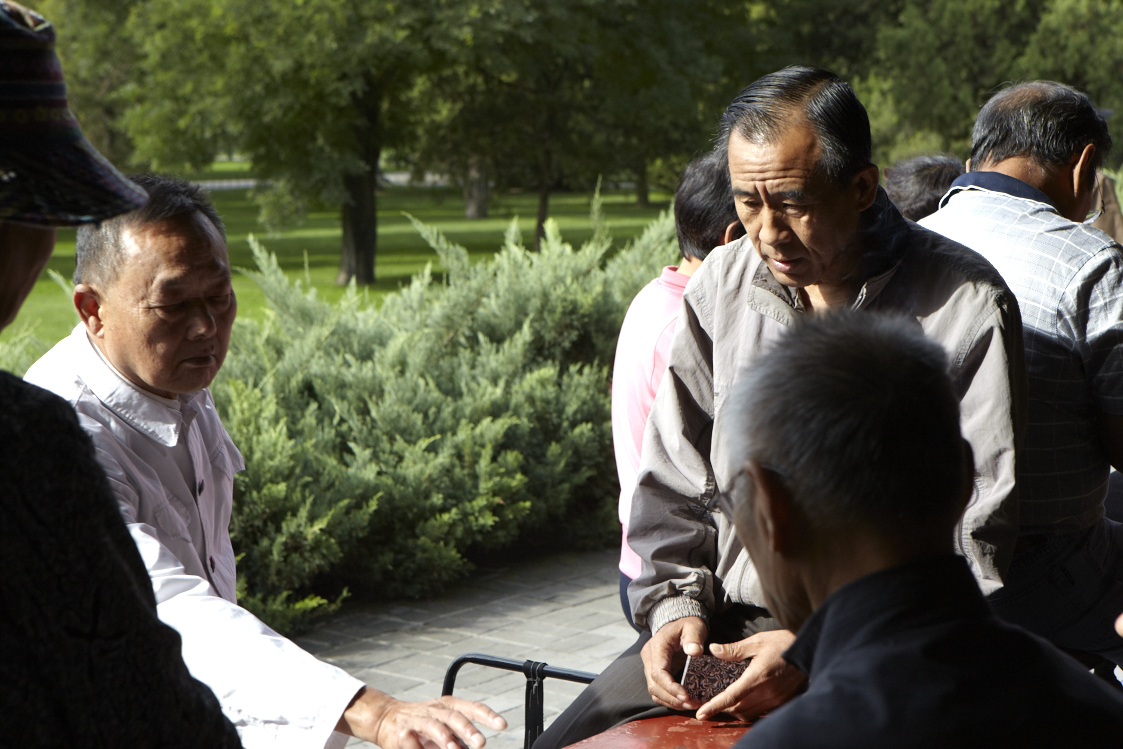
[(201, 485), (212, 564)]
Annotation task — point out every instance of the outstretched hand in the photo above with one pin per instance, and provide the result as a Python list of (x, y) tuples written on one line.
[(665, 654), (768, 682), (443, 723)]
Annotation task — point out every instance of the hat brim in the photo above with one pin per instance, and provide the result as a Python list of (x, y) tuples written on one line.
[(63, 184)]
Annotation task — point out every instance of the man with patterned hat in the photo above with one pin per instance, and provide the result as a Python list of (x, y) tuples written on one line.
[(85, 659)]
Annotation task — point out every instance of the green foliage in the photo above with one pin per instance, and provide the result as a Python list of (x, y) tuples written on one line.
[(99, 60), (386, 446), (1080, 42), (945, 56), (20, 350), (602, 88), (938, 61)]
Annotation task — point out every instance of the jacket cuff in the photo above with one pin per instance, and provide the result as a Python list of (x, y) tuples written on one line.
[(670, 609)]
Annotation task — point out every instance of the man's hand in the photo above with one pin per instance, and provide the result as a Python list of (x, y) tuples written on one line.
[(665, 653), (768, 682), (434, 724)]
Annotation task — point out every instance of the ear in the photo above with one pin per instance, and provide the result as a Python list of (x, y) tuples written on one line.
[(88, 303), (1083, 174), (865, 182), (773, 510), (735, 230)]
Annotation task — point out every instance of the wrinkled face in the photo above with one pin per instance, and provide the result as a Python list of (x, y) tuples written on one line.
[(801, 224), (24, 250), (166, 318)]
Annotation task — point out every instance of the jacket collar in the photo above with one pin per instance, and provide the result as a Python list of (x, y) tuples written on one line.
[(880, 605), (159, 418), (996, 182)]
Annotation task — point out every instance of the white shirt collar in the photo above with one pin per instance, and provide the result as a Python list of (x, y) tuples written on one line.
[(153, 415)]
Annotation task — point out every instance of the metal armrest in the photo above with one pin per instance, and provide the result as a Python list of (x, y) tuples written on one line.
[(536, 673)]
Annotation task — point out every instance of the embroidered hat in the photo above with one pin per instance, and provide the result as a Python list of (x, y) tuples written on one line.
[(50, 175)]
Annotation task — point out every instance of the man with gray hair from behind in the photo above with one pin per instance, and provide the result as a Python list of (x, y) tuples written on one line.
[(1026, 205), (852, 473)]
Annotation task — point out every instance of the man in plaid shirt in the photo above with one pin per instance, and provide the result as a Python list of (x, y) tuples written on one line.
[(1026, 205)]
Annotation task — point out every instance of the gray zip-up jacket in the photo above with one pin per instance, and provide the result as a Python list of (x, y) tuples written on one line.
[(733, 309)]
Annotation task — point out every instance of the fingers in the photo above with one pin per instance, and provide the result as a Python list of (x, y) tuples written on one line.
[(693, 636), (768, 682), (662, 656), (764, 686), (667, 692), (438, 724), (724, 702), (476, 711), (733, 651)]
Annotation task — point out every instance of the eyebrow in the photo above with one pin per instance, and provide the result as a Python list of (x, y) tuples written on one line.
[(797, 195), (170, 286)]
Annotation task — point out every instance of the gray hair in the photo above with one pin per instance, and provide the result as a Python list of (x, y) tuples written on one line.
[(765, 107), (1044, 120), (856, 413), (98, 251)]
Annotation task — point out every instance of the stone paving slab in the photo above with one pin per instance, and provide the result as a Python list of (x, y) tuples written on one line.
[(563, 609)]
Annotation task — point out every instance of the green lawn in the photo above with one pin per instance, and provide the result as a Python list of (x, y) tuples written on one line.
[(401, 252)]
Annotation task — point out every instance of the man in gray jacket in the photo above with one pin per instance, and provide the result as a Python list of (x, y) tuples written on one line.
[(820, 235)]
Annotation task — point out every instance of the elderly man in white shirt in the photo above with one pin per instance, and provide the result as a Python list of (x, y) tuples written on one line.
[(153, 291)]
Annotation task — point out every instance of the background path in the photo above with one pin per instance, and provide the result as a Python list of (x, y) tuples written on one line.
[(563, 609)]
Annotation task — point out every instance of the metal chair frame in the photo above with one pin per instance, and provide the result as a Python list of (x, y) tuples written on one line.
[(536, 674)]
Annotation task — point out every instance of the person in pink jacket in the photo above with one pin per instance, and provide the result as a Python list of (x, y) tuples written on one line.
[(705, 218)]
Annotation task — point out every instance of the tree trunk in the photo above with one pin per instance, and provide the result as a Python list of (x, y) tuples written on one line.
[(544, 160), (359, 215), (477, 189), (360, 230), (642, 196)]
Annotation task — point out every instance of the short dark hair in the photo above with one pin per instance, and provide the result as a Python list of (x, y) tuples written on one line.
[(857, 413), (916, 185), (98, 248), (764, 109), (1044, 120), (704, 205)]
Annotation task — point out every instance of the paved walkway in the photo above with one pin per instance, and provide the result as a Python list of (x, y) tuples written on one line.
[(564, 610)]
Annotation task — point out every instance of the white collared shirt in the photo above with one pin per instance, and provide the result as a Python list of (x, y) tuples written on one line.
[(275, 693)]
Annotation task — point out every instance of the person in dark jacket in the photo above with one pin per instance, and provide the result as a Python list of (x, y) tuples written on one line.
[(853, 472)]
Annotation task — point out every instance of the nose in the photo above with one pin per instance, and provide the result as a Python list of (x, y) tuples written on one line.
[(774, 228), (202, 323)]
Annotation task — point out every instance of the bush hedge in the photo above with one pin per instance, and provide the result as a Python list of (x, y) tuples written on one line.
[(387, 446)]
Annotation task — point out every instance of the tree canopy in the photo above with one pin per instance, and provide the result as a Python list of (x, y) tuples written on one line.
[(529, 94)]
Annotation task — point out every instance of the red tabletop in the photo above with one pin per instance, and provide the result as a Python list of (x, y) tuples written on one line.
[(669, 732)]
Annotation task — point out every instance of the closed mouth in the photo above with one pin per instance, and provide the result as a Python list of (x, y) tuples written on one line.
[(786, 265)]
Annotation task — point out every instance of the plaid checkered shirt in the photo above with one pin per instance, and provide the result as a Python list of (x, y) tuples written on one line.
[(1068, 279)]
